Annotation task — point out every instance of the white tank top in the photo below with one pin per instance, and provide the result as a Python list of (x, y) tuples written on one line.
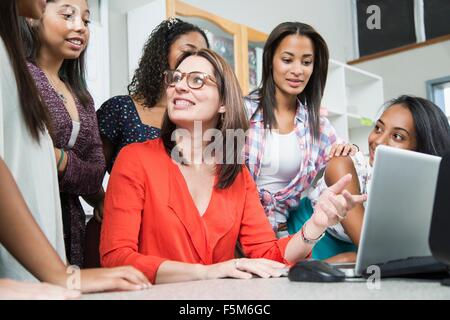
[(281, 161), (74, 135)]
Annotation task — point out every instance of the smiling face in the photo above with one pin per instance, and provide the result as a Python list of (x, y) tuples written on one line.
[(395, 128), (293, 64), (187, 42), (64, 31), (31, 8), (186, 105)]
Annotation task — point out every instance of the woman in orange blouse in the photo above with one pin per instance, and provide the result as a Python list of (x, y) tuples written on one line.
[(176, 206)]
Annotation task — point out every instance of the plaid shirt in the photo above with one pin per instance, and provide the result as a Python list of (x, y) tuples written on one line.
[(277, 205)]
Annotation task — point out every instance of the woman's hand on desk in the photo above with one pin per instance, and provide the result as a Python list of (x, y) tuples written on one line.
[(244, 269), (15, 290), (114, 279), (92, 280)]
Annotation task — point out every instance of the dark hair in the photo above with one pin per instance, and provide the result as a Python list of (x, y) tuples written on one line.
[(430, 122), (33, 110), (147, 84), (71, 72), (230, 95), (313, 92)]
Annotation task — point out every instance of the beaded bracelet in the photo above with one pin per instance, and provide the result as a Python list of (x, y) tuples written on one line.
[(60, 159)]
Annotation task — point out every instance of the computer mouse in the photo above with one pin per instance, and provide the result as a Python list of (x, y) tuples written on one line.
[(315, 271)]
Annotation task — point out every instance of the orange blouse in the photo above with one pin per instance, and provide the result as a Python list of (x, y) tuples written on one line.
[(150, 216)]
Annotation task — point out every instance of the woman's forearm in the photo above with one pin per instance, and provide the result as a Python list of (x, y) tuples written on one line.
[(22, 236), (296, 248), (171, 271)]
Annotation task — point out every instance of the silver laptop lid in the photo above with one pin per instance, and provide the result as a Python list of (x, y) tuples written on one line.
[(399, 207)]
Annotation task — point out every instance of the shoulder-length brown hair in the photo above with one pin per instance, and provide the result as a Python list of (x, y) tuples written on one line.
[(230, 95)]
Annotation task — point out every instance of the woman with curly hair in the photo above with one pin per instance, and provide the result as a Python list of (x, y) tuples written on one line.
[(137, 116)]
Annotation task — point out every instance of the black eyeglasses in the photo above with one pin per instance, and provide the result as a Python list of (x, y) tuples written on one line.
[(195, 80)]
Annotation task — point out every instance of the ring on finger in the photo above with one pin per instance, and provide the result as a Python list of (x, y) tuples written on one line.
[(341, 217)]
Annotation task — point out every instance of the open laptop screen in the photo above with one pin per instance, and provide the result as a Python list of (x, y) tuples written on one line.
[(399, 207)]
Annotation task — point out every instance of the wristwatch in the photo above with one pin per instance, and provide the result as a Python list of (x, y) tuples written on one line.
[(310, 241)]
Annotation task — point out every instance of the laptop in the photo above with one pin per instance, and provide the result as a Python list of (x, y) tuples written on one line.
[(397, 217)]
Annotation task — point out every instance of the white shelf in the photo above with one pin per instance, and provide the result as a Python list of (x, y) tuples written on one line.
[(357, 121), (358, 77), (352, 97)]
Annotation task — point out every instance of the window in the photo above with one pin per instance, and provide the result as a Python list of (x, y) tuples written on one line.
[(436, 16), (439, 93), (384, 25), (94, 8), (220, 40)]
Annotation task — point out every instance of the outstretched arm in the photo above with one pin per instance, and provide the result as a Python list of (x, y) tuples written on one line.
[(23, 238), (331, 208), (336, 169), (21, 235)]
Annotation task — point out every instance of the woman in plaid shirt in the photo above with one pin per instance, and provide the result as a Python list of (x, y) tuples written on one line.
[(288, 141)]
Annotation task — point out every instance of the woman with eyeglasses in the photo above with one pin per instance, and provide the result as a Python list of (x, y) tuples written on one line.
[(176, 206), (137, 117)]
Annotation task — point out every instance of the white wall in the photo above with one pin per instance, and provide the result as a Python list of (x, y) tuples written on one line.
[(118, 43), (152, 13), (407, 72)]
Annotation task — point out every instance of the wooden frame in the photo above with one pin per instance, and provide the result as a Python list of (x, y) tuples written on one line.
[(400, 49), (249, 35), (179, 8), (241, 35), (430, 89)]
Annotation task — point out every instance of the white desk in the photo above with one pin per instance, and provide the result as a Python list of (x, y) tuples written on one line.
[(283, 289)]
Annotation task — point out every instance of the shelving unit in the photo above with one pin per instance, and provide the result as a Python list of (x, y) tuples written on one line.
[(353, 98)]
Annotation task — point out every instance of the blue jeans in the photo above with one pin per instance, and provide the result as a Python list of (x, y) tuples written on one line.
[(328, 246)]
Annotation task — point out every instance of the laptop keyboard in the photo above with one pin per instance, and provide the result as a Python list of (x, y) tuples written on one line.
[(419, 266)]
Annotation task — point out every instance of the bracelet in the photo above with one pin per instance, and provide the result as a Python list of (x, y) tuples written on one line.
[(61, 158), (356, 146), (310, 241)]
